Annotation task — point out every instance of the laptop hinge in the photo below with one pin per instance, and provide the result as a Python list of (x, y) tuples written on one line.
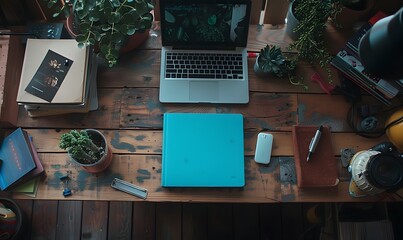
[(229, 48)]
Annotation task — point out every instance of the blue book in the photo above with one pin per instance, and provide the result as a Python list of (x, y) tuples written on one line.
[(16, 159), (203, 150)]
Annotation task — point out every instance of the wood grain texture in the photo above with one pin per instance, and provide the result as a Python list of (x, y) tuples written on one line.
[(220, 221), (194, 221), (107, 115), (140, 141), (44, 220), (131, 117), (246, 221), (144, 218), (69, 220), (95, 220), (26, 206), (290, 221), (145, 171), (269, 221), (168, 223), (120, 220)]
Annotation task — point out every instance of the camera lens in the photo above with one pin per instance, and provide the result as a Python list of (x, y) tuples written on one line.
[(384, 171)]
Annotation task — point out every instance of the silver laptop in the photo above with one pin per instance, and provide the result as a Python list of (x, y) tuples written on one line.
[(204, 57)]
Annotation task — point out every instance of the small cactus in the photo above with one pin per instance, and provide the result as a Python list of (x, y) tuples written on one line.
[(80, 146)]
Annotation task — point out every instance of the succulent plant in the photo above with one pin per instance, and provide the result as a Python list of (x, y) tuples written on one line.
[(272, 60)]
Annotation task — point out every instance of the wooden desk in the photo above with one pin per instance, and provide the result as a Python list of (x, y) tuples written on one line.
[(130, 115)]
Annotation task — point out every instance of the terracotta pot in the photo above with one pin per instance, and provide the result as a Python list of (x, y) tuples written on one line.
[(106, 159), (71, 26), (348, 18), (132, 42)]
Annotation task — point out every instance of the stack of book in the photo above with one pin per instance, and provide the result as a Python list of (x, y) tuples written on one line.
[(348, 62), (20, 163), (57, 77)]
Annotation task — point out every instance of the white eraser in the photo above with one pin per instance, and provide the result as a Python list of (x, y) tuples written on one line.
[(263, 148)]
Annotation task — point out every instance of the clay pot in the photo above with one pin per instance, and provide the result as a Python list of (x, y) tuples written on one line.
[(348, 18), (99, 139), (132, 42)]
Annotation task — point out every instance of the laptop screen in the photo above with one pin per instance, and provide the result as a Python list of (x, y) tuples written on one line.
[(213, 24)]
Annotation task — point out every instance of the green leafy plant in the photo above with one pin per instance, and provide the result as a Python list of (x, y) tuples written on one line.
[(272, 60), (81, 147), (313, 16), (106, 23)]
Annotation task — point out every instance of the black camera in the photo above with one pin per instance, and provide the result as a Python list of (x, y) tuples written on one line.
[(378, 169)]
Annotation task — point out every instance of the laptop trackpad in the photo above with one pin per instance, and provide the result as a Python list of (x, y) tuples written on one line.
[(206, 91)]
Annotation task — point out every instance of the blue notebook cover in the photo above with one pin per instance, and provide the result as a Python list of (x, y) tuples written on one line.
[(203, 150), (16, 158)]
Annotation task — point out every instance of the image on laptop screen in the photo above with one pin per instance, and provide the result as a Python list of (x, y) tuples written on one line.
[(209, 24), (203, 54)]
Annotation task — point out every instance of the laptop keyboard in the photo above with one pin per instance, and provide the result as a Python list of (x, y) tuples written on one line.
[(204, 65)]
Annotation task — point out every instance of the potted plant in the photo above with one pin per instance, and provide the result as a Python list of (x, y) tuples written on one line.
[(312, 16), (353, 11), (271, 60), (88, 148), (106, 24)]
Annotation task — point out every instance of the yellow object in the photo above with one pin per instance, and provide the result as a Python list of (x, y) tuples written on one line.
[(395, 130)]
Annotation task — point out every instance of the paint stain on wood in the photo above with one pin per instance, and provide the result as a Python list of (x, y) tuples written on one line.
[(287, 170), (262, 124), (147, 78), (121, 145), (143, 175), (55, 166), (288, 198), (140, 137), (301, 112), (269, 168)]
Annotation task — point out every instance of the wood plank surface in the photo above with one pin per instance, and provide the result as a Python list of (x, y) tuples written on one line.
[(95, 220), (131, 117), (246, 221), (44, 219), (194, 221), (270, 221), (133, 162), (69, 220), (134, 142), (26, 206), (144, 220), (168, 221), (220, 221), (292, 228), (120, 220)]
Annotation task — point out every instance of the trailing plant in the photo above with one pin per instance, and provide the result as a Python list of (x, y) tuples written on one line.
[(81, 147), (313, 16), (272, 60), (106, 23)]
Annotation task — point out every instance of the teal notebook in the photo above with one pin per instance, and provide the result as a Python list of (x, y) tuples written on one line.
[(203, 150)]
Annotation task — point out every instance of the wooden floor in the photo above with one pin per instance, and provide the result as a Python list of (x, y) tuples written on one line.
[(166, 220), (147, 220)]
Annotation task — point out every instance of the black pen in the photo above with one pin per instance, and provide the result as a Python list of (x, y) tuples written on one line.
[(314, 142)]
